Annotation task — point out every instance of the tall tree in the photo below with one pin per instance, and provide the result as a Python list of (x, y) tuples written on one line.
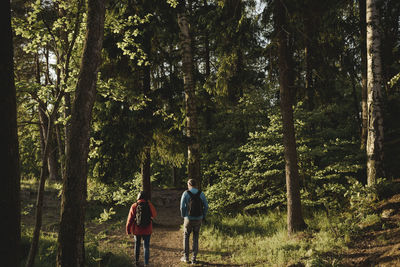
[(364, 95), (375, 117), (46, 130), (145, 165), (312, 14), (295, 221), (72, 230), (192, 128), (10, 200)]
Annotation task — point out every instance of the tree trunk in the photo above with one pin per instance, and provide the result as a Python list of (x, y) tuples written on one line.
[(66, 54), (207, 46), (73, 203), (295, 219), (146, 172), (174, 177), (309, 54), (61, 155), (52, 159), (148, 115), (363, 46), (190, 98), (375, 117), (9, 165), (45, 132)]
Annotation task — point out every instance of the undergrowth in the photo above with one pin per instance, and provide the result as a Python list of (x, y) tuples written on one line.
[(262, 240)]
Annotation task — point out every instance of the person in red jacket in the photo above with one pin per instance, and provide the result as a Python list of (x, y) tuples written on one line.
[(143, 231)]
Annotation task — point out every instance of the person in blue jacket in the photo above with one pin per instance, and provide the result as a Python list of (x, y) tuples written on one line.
[(194, 209)]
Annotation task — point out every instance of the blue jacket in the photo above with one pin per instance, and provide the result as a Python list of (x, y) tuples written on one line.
[(185, 202)]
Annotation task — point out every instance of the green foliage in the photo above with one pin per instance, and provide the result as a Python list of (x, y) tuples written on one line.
[(394, 80), (47, 250), (127, 193), (173, 3), (328, 158), (349, 217), (128, 27), (98, 191), (117, 194), (95, 254)]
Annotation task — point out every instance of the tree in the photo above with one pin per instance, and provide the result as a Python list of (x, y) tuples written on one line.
[(295, 219), (44, 28), (374, 101), (72, 225), (46, 125), (10, 199), (364, 95), (146, 86), (192, 131)]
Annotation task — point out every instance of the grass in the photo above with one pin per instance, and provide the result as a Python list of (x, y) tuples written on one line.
[(102, 246), (248, 240), (262, 240)]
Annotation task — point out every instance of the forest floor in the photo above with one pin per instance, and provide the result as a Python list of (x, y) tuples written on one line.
[(378, 245)]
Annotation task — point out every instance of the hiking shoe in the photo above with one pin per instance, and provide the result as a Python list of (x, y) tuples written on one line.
[(184, 259), (194, 261)]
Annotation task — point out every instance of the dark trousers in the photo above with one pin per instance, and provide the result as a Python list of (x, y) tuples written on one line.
[(190, 226)]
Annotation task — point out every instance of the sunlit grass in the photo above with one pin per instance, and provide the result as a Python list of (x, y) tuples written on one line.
[(262, 240), (32, 184)]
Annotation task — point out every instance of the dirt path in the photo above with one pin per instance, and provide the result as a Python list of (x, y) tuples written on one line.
[(380, 245), (166, 240)]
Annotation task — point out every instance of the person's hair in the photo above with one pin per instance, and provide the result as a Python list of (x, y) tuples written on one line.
[(142, 195), (192, 182)]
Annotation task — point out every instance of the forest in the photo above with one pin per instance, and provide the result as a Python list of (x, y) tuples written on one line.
[(285, 112)]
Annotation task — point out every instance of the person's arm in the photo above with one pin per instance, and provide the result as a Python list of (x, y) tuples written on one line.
[(152, 210), (183, 205), (205, 204), (131, 219)]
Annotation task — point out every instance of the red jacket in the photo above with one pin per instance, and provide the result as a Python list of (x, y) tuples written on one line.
[(132, 228)]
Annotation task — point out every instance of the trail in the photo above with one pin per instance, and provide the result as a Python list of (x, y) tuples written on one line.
[(166, 244), (380, 244), (166, 240)]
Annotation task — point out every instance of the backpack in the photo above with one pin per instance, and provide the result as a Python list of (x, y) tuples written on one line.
[(143, 214), (195, 207)]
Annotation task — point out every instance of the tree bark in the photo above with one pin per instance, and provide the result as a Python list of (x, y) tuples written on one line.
[(45, 132), (73, 203), (10, 183), (309, 24), (146, 172), (207, 46), (147, 116), (364, 94), (374, 101), (192, 131), (52, 159), (295, 221), (60, 146)]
